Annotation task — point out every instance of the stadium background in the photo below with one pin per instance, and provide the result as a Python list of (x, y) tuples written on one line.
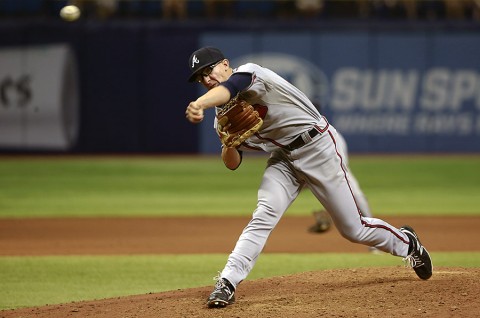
[(116, 86), (389, 84)]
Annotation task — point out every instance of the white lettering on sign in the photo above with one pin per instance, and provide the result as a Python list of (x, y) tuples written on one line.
[(374, 90), (462, 124), (449, 90), (344, 95), (444, 124), (436, 101), (373, 124), (465, 86), (435, 90)]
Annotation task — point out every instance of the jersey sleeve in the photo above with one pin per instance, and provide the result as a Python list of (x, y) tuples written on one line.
[(238, 82), (257, 87)]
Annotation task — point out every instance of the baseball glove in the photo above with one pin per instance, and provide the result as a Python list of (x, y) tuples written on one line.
[(237, 121), (323, 222)]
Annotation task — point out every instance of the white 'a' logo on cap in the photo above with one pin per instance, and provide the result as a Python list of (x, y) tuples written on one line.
[(195, 60)]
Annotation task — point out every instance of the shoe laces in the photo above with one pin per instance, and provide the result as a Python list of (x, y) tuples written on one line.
[(220, 283), (413, 260), (218, 277)]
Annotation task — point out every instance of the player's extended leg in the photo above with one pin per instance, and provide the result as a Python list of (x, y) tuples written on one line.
[(322, 218), (360, 197), (330, 184)]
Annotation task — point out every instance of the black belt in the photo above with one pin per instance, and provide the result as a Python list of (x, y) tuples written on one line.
[(299, 142)]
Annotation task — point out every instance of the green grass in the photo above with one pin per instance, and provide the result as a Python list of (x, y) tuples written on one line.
[(186, 186), (36, 281), (192, 186), (420, 185)]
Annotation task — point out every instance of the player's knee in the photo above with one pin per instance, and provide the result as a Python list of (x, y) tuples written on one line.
[(351, 238), (352, 233), (270, 210), (263, 220)]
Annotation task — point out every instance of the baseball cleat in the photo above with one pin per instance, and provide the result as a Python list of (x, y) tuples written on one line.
[(418, 257), (222, 295)]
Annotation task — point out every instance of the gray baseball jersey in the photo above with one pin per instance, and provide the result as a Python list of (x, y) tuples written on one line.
[(286, 111), (303, 153)]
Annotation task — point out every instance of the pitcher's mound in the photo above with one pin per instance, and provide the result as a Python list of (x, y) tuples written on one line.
[(365, 292)]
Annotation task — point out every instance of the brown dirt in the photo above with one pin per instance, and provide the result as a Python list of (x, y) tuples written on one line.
[(366, 292)]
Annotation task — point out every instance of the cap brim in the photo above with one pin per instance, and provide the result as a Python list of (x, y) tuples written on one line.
[(192, 77)]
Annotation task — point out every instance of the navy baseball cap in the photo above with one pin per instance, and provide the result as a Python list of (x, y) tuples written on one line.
[(202, 58)]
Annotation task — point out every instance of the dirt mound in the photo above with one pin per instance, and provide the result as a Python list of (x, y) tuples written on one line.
[(365, 292)]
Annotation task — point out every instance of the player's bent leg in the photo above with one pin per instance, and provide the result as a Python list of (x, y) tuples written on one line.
[(330, 183)]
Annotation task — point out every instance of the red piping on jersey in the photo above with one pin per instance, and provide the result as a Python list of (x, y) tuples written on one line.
[(251, 147), (268, 139), (364, 223), (320, 130)]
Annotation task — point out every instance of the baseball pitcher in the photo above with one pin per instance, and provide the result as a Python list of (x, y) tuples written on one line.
[(258, 109)]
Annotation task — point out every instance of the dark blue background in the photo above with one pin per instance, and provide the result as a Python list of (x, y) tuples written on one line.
[(133, 74)]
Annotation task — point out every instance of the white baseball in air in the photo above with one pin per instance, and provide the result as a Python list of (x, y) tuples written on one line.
[(70, 13)]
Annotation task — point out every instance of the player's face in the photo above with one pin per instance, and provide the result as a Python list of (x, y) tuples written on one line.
[(214, 74)]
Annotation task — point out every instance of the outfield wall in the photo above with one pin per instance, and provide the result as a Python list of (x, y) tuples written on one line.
[(388, 88)]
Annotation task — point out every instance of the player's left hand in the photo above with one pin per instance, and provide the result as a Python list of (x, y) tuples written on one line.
[(194, 113), (323, 222), (237, 121)]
